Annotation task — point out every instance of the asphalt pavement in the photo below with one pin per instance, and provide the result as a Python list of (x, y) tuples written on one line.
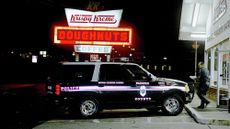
[(211, 115)]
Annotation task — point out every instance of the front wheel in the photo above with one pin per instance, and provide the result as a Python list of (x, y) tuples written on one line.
[(88, 107), (173, 105)]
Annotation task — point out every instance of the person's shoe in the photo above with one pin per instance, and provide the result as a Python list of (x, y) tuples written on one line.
[(206, 104), (200, 107)]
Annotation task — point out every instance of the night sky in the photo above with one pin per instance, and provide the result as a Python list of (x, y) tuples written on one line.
[(27, 26)]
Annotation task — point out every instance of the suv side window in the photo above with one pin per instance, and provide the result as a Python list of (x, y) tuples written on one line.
[(114, 72), (75, 73)]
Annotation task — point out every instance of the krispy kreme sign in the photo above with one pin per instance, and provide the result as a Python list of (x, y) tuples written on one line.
[(110, 18), (92, 35)]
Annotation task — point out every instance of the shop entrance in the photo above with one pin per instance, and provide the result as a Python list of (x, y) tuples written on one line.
[(223, 74)]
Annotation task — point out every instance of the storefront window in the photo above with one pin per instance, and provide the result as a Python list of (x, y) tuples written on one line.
[(216, 60), (215, 63), (209, 60), (225, 68), (225, 62)]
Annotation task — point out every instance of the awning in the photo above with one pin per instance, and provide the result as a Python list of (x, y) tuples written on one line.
[(194, 17)]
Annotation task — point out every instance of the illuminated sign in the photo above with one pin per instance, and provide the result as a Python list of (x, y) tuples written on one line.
[(110, 18), (34, 59), (93, 36), (220, 9), (92, 49)]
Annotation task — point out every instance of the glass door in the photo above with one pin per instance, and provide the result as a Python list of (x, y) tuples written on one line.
[(225, 69)]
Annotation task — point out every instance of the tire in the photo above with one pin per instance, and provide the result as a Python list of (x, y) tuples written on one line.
[(88, 107), (172, 105)]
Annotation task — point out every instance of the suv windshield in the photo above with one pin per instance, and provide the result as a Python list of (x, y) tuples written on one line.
[(136, 72)]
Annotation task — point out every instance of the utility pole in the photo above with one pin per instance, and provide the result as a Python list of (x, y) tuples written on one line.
[(195, 46), (196, 59)]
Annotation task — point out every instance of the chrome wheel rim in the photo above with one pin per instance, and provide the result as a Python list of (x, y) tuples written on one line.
[(172, 105), (88, 108)]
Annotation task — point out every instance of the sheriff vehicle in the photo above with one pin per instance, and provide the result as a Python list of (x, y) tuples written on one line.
[(93, 86)]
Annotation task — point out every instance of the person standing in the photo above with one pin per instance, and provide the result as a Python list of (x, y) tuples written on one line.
[(203, 85)]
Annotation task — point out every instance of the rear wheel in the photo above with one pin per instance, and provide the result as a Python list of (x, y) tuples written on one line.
[(172, 105), (88, 107)]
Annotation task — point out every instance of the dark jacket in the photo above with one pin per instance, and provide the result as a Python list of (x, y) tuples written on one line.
[(204, 80)]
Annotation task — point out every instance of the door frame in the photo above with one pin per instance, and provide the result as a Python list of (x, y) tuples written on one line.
[(219, 78)]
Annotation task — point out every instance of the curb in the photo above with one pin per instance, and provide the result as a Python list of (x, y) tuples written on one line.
[(195, 115), (201, 120)]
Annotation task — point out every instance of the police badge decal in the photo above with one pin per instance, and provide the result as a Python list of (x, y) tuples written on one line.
[(142, 91)]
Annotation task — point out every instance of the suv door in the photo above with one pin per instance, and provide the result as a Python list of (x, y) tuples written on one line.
[(116, 85), (124, 85), (149, 90)]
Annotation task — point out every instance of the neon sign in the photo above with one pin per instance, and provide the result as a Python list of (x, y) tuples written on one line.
[(93, 36), (76, 17)]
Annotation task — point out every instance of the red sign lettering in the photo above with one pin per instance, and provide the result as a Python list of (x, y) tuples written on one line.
[(107, 36)]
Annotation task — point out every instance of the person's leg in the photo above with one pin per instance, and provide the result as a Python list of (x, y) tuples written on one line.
[(201, 98), (206, 101)]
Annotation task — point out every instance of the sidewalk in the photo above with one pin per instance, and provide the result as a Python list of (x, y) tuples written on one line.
[(211, 115)]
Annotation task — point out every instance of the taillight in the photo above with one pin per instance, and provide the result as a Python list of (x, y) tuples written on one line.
[(58, 89)]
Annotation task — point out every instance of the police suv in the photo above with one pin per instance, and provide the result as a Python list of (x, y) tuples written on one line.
[(93, 86)]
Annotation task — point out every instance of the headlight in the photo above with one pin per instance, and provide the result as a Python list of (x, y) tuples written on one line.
[(187, 88)]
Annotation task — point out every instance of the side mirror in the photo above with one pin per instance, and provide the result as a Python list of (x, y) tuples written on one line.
[(152, 77)]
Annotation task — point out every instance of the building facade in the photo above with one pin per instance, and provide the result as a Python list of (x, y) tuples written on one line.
[(210, 21), (217, 44)]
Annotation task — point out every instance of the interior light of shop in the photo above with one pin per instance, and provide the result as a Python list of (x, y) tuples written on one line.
[(195, 14)]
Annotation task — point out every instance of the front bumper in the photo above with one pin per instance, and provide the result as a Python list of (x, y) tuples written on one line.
[(189, 97)]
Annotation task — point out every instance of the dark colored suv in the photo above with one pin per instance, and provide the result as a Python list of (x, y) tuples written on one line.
[(93, 86)]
